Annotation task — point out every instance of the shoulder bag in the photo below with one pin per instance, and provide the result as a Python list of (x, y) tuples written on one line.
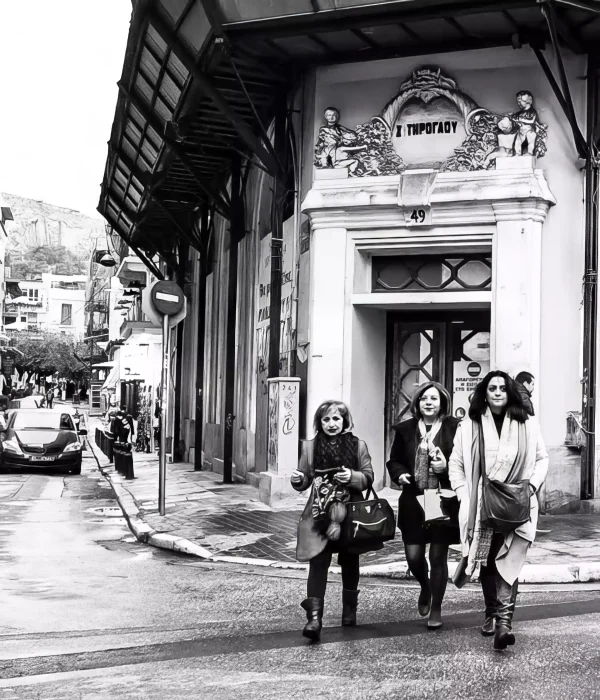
[(504, 506), (370, 522)]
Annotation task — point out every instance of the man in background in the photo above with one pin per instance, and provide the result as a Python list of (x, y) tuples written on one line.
[(526, 385)]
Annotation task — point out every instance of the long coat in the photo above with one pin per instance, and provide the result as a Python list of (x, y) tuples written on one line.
[(310, 540), (404, 449), (460, 468)]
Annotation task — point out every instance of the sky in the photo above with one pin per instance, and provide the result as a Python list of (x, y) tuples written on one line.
[(60, 61)]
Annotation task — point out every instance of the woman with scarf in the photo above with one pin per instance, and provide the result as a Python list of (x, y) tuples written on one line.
[(337, 466), (501, 438), (418, 461)]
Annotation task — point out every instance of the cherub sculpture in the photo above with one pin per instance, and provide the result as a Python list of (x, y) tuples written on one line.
[(336, 143)]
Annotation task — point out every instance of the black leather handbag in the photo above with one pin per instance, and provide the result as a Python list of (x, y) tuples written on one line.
[(504, 506), (370, 522)]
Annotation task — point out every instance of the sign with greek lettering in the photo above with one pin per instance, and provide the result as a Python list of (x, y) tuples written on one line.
[(427, 133), (467, 375)]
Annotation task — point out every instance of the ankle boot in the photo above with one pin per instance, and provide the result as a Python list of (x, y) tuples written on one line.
[(314, 615), (349, 605), (507, 596), (488, 586)]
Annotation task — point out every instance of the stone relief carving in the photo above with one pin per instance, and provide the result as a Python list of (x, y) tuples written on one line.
[(459, 134)]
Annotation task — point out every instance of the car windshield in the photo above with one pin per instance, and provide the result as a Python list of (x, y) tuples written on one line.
[(41, 420)]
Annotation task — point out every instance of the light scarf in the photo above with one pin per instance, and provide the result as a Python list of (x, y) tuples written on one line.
[(505, 457), (423, 478)]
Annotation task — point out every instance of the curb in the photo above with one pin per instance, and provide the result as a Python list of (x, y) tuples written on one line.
[(586, 572)]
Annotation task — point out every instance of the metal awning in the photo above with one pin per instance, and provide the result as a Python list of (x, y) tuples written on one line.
[(201, 79)]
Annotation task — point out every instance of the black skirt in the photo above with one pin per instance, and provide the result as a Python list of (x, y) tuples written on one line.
[(411, 522)]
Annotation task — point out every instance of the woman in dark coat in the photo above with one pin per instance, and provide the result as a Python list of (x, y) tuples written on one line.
[(336, 464), (419, 460)]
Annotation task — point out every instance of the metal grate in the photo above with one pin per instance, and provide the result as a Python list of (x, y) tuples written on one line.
[(432, 273)]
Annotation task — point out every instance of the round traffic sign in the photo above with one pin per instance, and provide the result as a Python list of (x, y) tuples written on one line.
[(167, 298)]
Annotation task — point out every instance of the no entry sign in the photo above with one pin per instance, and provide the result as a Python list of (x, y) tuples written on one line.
[(167, 298)]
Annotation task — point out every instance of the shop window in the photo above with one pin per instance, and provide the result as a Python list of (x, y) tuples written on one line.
[(432, 273), (66, 315)]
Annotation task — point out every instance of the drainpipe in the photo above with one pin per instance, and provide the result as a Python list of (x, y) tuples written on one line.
[(200, 331), (590, 286)]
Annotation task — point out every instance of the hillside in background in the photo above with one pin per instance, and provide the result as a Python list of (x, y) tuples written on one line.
[(45, 238)]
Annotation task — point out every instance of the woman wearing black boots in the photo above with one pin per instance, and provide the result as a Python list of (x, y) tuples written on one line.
[(337, 467), (418, 461), (498, 442)]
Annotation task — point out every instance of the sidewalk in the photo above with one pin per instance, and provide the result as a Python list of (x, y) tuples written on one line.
[(209, 519)]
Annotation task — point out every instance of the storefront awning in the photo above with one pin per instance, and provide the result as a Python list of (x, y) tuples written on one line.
[(113, 376)]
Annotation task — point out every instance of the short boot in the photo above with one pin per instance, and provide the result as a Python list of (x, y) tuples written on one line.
[(349, 605), (507, 596), (314, 615), (488, 586)]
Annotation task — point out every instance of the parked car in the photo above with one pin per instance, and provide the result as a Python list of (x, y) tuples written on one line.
[(44, 439), (27, 402)]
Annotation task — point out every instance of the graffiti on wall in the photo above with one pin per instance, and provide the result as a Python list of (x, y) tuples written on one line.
[(431, 123), (287, 343), (289, 407)]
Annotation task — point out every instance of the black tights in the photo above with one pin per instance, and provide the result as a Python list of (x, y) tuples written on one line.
[(319, 567), (438, 559)]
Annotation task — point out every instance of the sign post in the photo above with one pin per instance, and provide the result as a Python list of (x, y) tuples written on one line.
[(167, 301)]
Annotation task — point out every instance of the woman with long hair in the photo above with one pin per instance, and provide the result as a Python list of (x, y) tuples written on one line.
[(499, 442), (418, 461), (337, 465)]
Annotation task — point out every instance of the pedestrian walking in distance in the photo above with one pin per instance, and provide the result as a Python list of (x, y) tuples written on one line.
[(50, 397), (418, 461), (498, 445), (525, 386), (337, 467)]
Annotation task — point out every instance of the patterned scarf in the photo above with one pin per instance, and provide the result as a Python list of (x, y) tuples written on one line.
[(424, 477), (330, 455)]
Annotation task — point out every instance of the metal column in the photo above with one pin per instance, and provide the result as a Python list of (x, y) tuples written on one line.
[(590, 285)]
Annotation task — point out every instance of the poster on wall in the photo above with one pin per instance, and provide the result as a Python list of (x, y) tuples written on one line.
[(467, 375), (288, 307)]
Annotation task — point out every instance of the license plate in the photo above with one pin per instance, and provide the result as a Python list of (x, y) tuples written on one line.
[(42, 459)]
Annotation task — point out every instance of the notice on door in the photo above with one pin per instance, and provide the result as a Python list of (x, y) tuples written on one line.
[(467, 375)]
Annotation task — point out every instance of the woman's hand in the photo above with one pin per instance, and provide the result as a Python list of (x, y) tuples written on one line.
[(404, 479), (439, 464), (343, 476), (296, 477)]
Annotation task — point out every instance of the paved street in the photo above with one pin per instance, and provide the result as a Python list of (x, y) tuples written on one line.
[(230, 520), (89, 613)]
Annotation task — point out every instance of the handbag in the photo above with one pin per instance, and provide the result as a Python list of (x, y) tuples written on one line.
[(370, 522), (504, 506), (440, 506)]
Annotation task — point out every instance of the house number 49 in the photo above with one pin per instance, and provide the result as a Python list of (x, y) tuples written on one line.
[(419, 216)]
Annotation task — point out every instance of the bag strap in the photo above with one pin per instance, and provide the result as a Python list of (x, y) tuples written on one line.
[(371, 490)]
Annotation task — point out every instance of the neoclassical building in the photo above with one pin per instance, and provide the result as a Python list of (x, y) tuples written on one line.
[(356, 199)]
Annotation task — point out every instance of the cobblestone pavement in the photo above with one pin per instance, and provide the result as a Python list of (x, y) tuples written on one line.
[(230, 519)]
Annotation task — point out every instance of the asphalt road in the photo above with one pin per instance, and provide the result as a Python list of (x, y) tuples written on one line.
[(86, 612)]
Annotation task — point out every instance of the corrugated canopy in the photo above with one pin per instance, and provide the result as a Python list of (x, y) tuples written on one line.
[(200, 82)]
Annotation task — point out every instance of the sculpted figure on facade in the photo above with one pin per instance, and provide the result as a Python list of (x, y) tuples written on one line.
[(431, 123), (336, 144)]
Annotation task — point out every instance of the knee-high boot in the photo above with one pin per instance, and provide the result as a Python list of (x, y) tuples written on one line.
[(507, 596), (490, 596), (314, 616), (349, 605)]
